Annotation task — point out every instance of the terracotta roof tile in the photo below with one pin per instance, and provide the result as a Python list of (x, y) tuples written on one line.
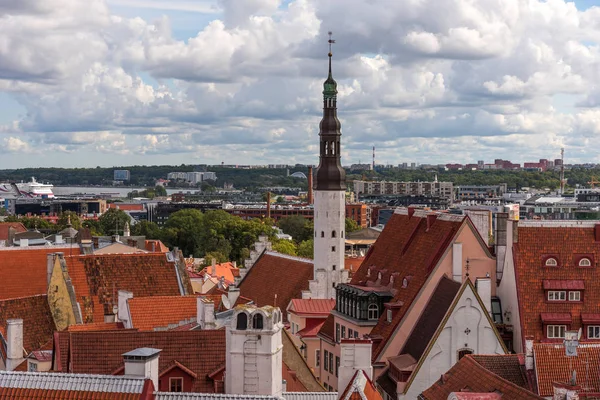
[(38, 324), (360, 387), (201, 351), (567, 245), (291, 275), (469, 376), (156, 246), (225, 270), (96, 326), (23, 272), (97, 278), (312, 306), (5, 226), (507, 366), (407, 248), (552, 365), (148, 313), (46, 394)]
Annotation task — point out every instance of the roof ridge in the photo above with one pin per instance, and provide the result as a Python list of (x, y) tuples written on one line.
[(296, 258), (24, 297)]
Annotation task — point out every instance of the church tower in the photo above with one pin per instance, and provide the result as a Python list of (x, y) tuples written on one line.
[(329, 199)]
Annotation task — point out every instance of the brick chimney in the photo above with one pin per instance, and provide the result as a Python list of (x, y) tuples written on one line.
[(213, 267), (430, 220), (310, 185), (14, 343), (142, 362), (566, 391), (597, 232), (355, 355)]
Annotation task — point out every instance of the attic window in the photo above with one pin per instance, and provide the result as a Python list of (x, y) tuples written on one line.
[(257, 321), (585, 262), (551, 262)]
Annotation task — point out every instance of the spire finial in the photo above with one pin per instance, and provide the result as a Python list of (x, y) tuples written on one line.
[(330, 86), (330, 41)]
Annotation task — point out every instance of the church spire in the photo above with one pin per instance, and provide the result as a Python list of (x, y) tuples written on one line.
[(330, 174)]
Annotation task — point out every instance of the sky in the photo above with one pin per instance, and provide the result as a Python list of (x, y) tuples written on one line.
[(146, 82)]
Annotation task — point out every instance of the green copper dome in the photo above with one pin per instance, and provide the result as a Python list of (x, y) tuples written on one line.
[(330, 85)]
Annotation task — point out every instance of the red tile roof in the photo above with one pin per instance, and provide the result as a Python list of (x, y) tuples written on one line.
[(470, 376), (405, 248), (226, 270), (98, 278), (313, 325), (127, 207), (353, 263), (96, 326), (552, 365), (38, 324), (24, 272), (567, 244), (554, 284), (312, 306), (507, 366), (360, 387), (148, 313), (291, 275), (156, 246), (5, 226), (201, 351), (47, 394)]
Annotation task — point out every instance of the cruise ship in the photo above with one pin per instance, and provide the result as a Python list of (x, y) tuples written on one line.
[(31, 189)]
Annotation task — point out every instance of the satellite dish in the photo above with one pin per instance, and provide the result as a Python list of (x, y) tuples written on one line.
[(225, 301)]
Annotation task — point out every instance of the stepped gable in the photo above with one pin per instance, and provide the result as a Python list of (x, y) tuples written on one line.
[(150, 313), (23, 270), (38, 325), (201, 352), (568, 243), (471, 377), (406, 249), (98, 278), (275, 279)]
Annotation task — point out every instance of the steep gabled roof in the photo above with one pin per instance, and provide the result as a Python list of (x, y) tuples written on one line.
[(327, 329), (5, 226), (297, 373), (408, 247), (469, 376), (149, 313), (98, 278), (201, 351), (360, 387), (23, 272), (276, 278), (38, 324), (567, 244), (507, 366)]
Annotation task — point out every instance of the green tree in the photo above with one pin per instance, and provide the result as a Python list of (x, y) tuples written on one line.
[(145, 228), (219, 258), (93, 226), (351, 225), (160, 190), (36, 223), (112, 222), (65, 217), (184, 230), (298, 227), (285, 247), (306, 248)]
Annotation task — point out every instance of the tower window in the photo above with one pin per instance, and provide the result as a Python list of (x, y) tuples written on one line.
[(242, 322), (333, 248), (322, 234), (332, 234), (334, 267), (257, 321)]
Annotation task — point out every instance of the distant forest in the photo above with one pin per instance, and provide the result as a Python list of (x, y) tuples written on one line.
[(254, 178)]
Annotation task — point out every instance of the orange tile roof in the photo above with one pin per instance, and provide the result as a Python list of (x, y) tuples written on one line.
[(353, 263), (552, 365), (127, 207), (156, 245), (405, 248), (38, 324), (98, 278), (360, 387), (225, 270), (47, 394), (5, 226), (96, 326), (567, 245), (201, 351), (291, 275), (148, 313), (24, 272), (312, 306), (469, 376)]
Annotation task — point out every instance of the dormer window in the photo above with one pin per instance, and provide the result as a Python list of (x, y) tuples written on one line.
[(551, 262), (557, 295), (373, 312), (585, 262)]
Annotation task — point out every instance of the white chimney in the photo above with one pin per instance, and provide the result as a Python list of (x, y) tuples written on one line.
[(529, 354), (58, 239), (484, 290), (23, 242), (232, 295), (355, 355), (205, 315), (123, 308), (142, 362), (14, 343), (457, 255)]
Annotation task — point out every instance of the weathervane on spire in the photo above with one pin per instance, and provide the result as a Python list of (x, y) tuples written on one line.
[(330, 41)]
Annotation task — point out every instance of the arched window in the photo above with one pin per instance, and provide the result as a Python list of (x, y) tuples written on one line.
[(275, 317), (585, 262), (332, 234), (242, 322), (551, 262), (373, 311), (257, 321)]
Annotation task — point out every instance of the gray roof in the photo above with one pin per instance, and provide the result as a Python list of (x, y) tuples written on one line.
[(284, 396), (77, 382), (142, 352)]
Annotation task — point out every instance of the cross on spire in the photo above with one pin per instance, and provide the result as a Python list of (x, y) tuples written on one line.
[(330, 41)]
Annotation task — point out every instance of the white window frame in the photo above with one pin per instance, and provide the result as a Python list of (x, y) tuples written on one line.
[(557, 295), (585, 262), (373, 312), (551, 262), (575, 295), (595, 329), (552, 330), (175, 379)]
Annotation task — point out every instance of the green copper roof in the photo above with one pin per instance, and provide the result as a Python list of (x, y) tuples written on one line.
[(330, 85)]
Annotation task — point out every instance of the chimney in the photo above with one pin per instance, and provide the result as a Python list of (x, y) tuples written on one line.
[(58, 239), (355, 354), (411, 211), (123, 313), (232, 295), (484, 290), (310, 185), (213, 267), (234, 264), (284, 386), (142, 362), (14, 343), (501, 227), (457, 259), (529, 353), (566, 391), (268, 204), (205, 313), (430, 220), (23, 242), (49, 267)]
